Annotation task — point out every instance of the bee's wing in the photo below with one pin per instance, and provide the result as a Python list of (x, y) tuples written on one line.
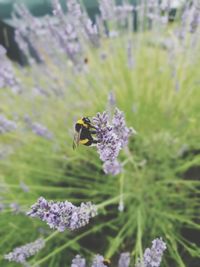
[(76, 139)]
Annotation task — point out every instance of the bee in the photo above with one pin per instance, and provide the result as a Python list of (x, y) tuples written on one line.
[(106, 262), (83, 133)]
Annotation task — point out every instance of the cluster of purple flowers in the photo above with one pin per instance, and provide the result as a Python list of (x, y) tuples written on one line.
[(38, 128), (63, 215), (6, 125), (112, 137), (7, 77), (20, 254), (152, 256), (41, 130)]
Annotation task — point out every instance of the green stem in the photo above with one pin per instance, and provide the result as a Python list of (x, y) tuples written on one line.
[(56, 251)]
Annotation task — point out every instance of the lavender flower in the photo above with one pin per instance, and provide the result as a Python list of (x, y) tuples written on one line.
[(24, 187), (78, 262), (107, 9), (41, 130), (112, 138), (6, 125), (63, 215), (98, 261), (7, 77), (74, 9), (20, 254), (112, 167), (124, 259), (120, 128), (152, 256), (15, 207)]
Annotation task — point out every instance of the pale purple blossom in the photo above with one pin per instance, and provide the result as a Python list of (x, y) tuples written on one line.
[(78, 261), (112, 167), (107, 9), (24, 187), (63, 215), (15, 207), (6, 125), (153, 256), (124, 259), (7, 76), (98, 261), (20, 254), (41, 130), (120, 128)]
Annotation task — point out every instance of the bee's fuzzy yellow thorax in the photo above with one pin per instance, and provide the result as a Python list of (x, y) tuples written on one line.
[(82, 123)]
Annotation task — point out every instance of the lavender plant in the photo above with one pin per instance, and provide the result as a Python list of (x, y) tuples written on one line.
[(151, 66), (20, 254)]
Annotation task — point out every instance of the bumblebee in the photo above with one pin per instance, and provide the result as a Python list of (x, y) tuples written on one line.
[(83, 133), (106, 262)]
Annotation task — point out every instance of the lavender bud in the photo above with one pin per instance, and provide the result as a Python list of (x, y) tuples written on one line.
[(24, 187), (98, 261), (120, 128), (112, 167), (7, 76), (41, 130), (124, 259), (63, 215), (78, 262), (107, 9), (6, 125), (20, 254), (15, 208), (152, 256)]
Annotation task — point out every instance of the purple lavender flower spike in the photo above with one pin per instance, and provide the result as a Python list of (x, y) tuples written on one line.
[(107, 9), (74, 9), (15, 207), (63, 215), (120, 128), (108, 147), (124, 259), (7, 77), (78, 261), (112, 138), (6, 125), (41, 130), (153, 256), (24, 187), (112, 167), (20, 254), (98, 261)]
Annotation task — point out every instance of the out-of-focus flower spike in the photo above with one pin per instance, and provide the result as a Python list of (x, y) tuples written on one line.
[(153, 256), (124, 259), (78, 261), (20, 254), (98, 261), (6, 125)]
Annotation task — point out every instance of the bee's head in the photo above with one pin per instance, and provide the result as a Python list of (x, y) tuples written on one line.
[(86, 120)]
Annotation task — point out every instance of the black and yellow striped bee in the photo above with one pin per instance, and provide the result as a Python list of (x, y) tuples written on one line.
[(106, 262), (83, 133)]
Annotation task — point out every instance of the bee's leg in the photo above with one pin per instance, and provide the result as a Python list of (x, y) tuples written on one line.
[(94, 141), (93, 132)]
